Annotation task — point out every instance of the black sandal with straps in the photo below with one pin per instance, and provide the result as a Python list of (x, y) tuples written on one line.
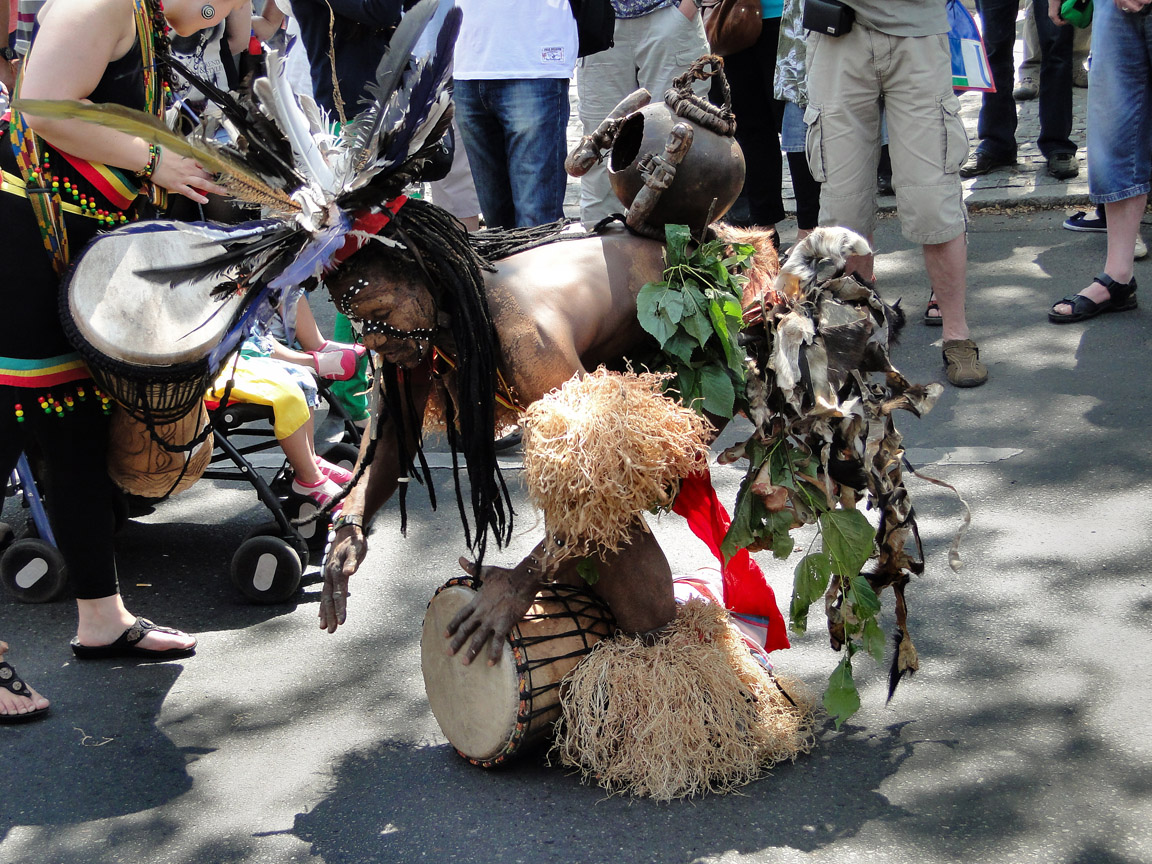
[(1121, 298), (12, 682)]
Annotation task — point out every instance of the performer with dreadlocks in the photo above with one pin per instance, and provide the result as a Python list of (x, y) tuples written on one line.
[(104, 51)]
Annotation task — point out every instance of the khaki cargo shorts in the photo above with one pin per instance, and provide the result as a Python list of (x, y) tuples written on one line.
[(850, 78)]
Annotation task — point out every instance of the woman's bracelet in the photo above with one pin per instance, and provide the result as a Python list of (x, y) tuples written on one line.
[(343, 520), (153, 161)]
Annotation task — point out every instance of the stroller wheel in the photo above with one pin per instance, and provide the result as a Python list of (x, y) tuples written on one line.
[(7, 535), (266, 569), (314, 532), (33, 571)]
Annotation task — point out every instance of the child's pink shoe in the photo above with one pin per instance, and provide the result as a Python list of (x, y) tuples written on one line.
[(336, 365), (330, 345), (321, 493), (334, 472)]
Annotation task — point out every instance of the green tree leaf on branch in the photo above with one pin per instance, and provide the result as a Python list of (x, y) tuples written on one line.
[(695, 315)]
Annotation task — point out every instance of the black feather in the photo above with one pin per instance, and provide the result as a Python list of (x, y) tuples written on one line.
[(264, 148)]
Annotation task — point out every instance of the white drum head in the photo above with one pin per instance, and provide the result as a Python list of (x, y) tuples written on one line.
[(136, 320), (475, 705)]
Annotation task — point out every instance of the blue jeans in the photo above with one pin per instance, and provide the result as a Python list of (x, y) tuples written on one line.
[(514, 132), (1119, 105), (997, 125)]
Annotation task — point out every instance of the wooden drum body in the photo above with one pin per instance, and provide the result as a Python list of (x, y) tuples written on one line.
[(489, 713), (141, 466)]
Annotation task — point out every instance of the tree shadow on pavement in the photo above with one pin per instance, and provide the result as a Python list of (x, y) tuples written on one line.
[(525, 812)]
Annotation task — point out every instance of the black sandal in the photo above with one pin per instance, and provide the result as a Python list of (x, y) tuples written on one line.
[(11, 682), (931, 320), (126, 645), (1121, 298)]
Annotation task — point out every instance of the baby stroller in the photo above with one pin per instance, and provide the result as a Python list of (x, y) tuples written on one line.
[(270, 561), (156, 349)]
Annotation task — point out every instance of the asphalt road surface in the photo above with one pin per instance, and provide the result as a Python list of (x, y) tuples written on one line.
[(1022, 739)]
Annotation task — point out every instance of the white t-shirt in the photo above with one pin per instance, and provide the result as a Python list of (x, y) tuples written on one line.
[(505, 39)]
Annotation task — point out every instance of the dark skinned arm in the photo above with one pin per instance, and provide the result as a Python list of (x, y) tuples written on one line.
[(376, 486)]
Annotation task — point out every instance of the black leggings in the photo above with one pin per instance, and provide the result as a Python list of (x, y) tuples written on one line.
[(73, 478)]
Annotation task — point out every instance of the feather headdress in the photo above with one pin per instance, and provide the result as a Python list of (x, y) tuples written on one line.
[(277, 149)]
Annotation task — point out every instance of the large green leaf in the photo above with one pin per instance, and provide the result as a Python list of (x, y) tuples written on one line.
[(841, 699), (688, 381), (861, 597), (746, 518), (659, 308), (681, 346), (733, 355), (809, 582), (872, 640), (848, 539), (677, 238), (718, 391), (696, 319)]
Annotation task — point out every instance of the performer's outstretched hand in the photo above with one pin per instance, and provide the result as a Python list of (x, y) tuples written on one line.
[(348, 551), (504, 596)]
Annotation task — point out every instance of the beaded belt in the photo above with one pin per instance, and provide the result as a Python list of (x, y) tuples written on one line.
[(14, 185)]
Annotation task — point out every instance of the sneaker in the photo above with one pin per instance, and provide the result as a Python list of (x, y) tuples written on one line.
[(336, 365), (1081, 221), (1027, 89), (333, 472), (1063, 166), (962, 363), (1141, 251), (321, 493)]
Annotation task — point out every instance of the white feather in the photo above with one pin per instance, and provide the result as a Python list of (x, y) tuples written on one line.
[(276, 97)]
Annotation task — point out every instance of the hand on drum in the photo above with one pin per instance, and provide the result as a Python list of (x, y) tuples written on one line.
[(344, 559), (504, 596), (185, 177)]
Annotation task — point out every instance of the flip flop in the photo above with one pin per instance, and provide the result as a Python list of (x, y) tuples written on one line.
[(126, 645), (12, 682), (930, 320)]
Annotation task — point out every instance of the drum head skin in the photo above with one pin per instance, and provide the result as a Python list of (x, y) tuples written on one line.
[(475, 705), (140, 320)]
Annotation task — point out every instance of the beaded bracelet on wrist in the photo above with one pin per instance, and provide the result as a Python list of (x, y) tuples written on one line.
[(153, 161)]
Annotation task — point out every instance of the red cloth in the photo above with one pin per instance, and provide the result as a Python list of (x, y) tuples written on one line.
[(370, 222), (746, 591)]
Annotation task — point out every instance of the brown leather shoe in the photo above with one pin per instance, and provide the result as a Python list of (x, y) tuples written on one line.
[(962, 363)]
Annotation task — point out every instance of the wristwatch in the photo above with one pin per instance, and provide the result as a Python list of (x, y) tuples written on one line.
[(9, 53)]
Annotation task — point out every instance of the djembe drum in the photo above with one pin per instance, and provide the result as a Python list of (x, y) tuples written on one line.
[(147, 343), (491, 713)]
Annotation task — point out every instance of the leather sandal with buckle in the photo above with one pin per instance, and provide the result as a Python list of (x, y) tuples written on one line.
[(932, 316), (1121, 298)]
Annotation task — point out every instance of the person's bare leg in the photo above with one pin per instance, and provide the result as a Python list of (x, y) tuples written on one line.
[(301, 455), (10, 703), (1123, 226), (102, 621), (291, 355), (307, 330), (947, 266)]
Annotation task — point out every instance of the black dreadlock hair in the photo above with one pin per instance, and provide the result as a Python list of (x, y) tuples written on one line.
[(439, 246)]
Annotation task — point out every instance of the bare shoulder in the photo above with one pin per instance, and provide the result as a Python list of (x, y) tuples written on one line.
[(97, 18)]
